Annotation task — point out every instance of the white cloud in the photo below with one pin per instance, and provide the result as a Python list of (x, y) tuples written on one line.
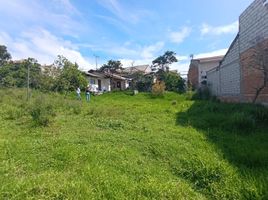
[(43, 46), (220, 52), (135, 62), (179, 36), (67, 6), (182, 58), (124, 13), (60, 15), (151, 50), (207, 29), (182, 67)]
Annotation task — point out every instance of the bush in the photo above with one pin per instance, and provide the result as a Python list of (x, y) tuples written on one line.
[(42, 112), (158, 88), (173, 81)]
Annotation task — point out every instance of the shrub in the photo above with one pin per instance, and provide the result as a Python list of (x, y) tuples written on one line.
[(42, 112), (158, 88)]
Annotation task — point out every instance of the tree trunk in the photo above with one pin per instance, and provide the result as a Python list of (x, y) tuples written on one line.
[(259, 90)]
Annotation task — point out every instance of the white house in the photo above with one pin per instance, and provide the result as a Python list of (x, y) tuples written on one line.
[(98, 82), (106, 82)]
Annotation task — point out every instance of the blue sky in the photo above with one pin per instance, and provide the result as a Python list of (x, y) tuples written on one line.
[(133, 31)]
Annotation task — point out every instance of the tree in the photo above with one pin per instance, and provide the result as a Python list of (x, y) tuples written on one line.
[(50, 75), (162, 62), (259, 62), (173, 81), (4, 55), (141, 82), (111, 67), (70, 76), (14, 74)]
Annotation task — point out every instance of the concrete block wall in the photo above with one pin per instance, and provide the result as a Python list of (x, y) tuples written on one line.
[(233, 53), (230, 79), (253, 25), (213, 80), (237, 82), (228, 74)]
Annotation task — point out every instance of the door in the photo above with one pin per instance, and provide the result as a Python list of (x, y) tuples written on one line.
[(118, 84), (99, 84)]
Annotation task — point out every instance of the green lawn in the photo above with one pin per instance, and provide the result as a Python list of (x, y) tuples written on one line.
[(120, 146)]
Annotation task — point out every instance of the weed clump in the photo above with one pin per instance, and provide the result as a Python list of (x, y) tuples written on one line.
[(42, 112), (174, 103), (242, 121), (158, 88)]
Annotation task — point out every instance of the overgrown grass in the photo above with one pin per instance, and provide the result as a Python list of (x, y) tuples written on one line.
[(120, 146)]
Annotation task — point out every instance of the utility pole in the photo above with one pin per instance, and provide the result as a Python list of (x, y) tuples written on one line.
[(28, 81), (96, 59)]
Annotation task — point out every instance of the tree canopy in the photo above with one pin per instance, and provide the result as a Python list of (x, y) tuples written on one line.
[(112, 66), (163, 62), (61, 76), (4, 55), (70, 77)]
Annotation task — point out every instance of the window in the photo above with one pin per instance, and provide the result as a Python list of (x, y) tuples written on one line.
[(130, 84), (92, 81)]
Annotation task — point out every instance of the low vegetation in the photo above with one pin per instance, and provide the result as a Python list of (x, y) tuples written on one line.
[(120, 146)]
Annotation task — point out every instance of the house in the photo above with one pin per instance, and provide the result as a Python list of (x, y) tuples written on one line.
[(236, 79), (144, 69), (106, 82), (197, 73), (98, 81)]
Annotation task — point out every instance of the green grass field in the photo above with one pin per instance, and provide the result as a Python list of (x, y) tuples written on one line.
[(120, 146)]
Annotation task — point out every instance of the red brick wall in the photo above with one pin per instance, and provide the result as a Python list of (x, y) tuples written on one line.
[(193, 76), (252, 78)]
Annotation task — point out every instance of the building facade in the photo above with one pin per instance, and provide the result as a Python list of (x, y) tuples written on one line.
[(239, 76), (197, 73), (106, 82)]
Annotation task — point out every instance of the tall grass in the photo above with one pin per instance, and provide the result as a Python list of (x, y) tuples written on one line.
[(120, 146)]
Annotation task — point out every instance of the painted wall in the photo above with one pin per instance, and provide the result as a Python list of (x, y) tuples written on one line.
[(203, 68), (105, 84)]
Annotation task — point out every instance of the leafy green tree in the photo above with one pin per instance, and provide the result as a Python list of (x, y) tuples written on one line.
[(141, 82), (4, 55), (173, 81), (163, 62), (112, 66), (70, 76), (14, 74)]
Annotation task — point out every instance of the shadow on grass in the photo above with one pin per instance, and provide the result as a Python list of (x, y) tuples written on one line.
[(240, 131)]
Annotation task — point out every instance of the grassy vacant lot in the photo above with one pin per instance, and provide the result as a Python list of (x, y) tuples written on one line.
[(131, 147)]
